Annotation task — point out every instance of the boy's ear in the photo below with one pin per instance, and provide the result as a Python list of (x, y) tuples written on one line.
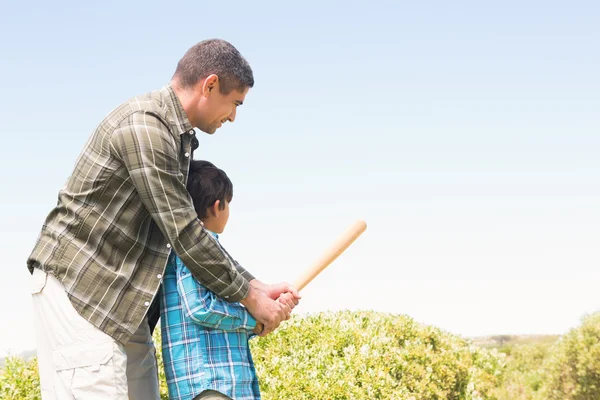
[(214, 209)]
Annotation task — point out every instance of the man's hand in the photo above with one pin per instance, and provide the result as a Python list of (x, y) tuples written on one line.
[(265, 310)]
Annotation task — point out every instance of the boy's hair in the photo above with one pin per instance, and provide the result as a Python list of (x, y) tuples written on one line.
[(207, 184)]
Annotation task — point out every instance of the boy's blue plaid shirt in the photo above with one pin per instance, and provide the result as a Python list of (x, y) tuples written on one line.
[(204, 339)]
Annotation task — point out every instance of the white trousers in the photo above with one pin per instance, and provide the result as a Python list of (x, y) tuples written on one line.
[(78, 361)]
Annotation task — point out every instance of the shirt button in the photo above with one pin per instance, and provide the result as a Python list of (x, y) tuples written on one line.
[(159, 276), (192, 132), (168, 245), (187, 154), (147, 303)]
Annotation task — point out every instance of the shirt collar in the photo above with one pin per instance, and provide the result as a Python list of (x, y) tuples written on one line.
[(179, 118)]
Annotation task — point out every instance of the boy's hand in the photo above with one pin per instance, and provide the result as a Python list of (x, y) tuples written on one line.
[(288, 299), (259, 328), (276, 290)]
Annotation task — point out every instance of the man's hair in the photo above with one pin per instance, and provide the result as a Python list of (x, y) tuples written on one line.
[(207, 184), (215, 56)]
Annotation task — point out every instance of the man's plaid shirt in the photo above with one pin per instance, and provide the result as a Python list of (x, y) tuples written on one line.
[(204, 340), (122, 211)]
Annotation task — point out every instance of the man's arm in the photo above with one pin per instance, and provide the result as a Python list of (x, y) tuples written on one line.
[(247, 275), (150, 154), (260, 302), (283, 293)]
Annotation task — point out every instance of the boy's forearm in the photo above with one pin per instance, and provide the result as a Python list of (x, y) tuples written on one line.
[(219, 314), (224, 323)]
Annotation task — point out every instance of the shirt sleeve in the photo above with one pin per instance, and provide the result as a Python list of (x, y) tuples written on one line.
[(205, 308), (150, 154), (247, 275)]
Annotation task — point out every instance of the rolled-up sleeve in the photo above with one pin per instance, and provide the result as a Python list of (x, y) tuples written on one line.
[(150, 155), (247, 275)]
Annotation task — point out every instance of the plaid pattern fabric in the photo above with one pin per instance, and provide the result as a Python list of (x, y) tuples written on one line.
[(204, 340), (122, 210)]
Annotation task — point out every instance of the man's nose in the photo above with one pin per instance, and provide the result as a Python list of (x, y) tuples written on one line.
[(231, 117)]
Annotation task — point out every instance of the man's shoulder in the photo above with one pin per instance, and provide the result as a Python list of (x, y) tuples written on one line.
[(152, 102)]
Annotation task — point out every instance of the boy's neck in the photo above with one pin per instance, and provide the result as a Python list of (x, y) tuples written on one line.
[(208, 226)]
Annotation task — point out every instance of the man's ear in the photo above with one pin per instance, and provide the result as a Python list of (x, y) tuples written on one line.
[(209, 84)]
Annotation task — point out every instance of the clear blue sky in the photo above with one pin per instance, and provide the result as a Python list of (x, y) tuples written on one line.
[(466, 135)]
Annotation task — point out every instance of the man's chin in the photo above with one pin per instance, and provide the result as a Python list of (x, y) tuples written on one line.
[(209, 130)]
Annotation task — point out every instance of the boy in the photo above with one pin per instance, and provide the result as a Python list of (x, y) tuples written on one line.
[(204, 338)]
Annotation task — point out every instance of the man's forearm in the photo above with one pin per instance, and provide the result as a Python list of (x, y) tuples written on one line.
[(257, 284)]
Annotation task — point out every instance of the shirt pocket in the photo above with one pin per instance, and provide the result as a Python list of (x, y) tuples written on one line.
[(87, 370)]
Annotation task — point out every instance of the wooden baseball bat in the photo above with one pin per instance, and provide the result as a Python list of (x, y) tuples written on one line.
[(331, 254)]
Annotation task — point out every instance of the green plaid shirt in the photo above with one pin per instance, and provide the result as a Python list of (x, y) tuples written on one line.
[(123, 210)]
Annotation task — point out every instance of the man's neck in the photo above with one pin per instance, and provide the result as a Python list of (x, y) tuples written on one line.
[(185, 96)]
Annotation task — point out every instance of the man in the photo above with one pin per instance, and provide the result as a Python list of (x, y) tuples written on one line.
[(98, 263)]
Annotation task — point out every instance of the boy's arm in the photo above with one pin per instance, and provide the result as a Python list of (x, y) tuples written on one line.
[(207, 309)]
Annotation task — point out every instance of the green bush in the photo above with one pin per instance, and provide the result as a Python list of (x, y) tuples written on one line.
[(19, 380), (523, 377), (369, 355), (342, 355), (162, 380), (573, 370)]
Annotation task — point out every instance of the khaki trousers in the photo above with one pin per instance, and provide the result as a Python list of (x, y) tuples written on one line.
[(77, 361)]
